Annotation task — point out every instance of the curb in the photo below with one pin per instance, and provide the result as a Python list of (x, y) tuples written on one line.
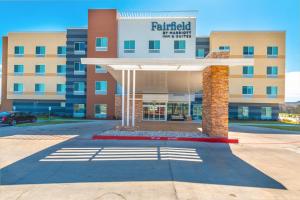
[(209, 140)]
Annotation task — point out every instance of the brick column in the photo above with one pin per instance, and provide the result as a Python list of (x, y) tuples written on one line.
[(215, 101)]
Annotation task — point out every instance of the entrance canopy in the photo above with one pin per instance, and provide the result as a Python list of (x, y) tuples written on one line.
[(165, 64)]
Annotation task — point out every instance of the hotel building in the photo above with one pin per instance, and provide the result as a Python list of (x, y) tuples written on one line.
[(83, 72)]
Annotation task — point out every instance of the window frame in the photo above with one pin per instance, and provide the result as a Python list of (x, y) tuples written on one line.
[(101, 48), (272, 69), (62, 54), (197, 50), (224, 48), (179, 50), (40, 73), (39, 92), (101, 92), (264, 110), (19, 73), (248, 55), (64, 71), (273, 91), (19, 54), (131, 48), (156, 46), (80, 51), (248, 75), (247, 89), (102, 70), (272, 51), (61, 92), (79, 92), (100, 115), (18, 92), (79, 72), (43, 54)]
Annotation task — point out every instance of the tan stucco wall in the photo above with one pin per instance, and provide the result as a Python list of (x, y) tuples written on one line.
[(51, 40), (260, 41)]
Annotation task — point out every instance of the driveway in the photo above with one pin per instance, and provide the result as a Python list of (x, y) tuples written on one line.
[(61, 162)]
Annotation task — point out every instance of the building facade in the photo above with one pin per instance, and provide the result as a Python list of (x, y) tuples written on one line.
[(36, 75)]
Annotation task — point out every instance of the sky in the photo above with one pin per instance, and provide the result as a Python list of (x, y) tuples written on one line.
[(57, 15)]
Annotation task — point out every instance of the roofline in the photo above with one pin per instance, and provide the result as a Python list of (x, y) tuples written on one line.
[(250, 31)]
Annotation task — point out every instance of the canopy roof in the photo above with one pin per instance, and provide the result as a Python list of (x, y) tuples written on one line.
[(165, 64)]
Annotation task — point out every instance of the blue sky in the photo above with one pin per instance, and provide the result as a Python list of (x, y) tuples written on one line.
[(43, 15)]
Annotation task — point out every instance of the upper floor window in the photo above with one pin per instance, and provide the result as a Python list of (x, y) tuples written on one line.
[(61, 69), (101, 87), (272, 51), (179, 46), (248, 51), (79, 68), (18, 69), (19, 50), (40, 50), (61, 50), (79, 48), (200, 53), (248, 90), (60, 88), (224, 48), (272, 71), (101, 44), (18, 88), (39, 88), (271, 91), (79, 88), (99, 69), (248, 71), (129, 46), (154, 46), (40, 70)]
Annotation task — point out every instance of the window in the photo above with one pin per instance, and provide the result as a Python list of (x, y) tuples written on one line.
[(271, 91), (18, 69), (266, 113), (40, 69), (18, 88), (61, 50), (60, 88), (200, 53), (154, 46), (272, 51), (79, 88), (248, 51), (248, 71), (79, 68), (79, 48), (99, 69), (243, 112), (101, 44), (78, 110), (179, 46), (272, 71), (39, 88), (100, 110), (61, 69), (224, 48), (247, 90), (129, 46), (101, 87), (118, 88), (19, 50), (40, 51)]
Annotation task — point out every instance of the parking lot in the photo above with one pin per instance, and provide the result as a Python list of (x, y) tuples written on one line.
[(61, 162)]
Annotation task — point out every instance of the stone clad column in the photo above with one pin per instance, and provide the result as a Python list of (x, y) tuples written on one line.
[(215, 101)]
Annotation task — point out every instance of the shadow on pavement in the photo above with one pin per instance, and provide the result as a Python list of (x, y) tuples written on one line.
[(216, 165)]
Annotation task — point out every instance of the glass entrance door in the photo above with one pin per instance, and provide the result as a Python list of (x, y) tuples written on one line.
[(154, 111)]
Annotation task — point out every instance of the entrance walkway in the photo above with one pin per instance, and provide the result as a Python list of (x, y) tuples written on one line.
[(182, 126)]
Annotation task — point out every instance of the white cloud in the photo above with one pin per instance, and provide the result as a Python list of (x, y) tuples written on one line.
[(292, 86)]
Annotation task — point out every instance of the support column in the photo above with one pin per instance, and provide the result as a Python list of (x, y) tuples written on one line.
[(215, 101), (128, 96), (123, 97), (133, 99)]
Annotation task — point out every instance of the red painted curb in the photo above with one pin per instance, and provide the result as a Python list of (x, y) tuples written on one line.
[(210, 140)]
